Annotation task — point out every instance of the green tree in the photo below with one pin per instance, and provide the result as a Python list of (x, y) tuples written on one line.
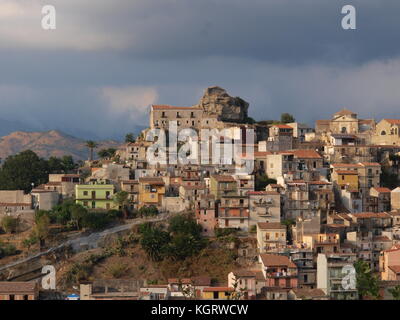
[(154, 241), (68, 163), (20, 171), (10, 224), (395, 292), (78, 213), (367, 283), (91, 145), (129, 138), (262, 181), (287, 118), (41, 228), (121, 198), (107, 153)]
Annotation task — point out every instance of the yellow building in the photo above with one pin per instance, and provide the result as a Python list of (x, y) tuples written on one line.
[(95, 196), (151, 191), (346, 178), (217, 293)]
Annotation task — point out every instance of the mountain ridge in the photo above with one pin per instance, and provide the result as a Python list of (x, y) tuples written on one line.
[(48, 143)]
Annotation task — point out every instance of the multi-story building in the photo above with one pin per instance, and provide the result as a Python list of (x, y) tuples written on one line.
[(233, 212), (264, 206), (151, 191), (378, 200), (206, 214), (389, 263), (96, 195), (331, 269), (132, 187), (270, 236), (387, 132), (279, 271), (302, 164), (223, 185)]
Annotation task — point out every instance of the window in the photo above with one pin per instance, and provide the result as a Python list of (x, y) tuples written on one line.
[(93, 204), (85, 193)]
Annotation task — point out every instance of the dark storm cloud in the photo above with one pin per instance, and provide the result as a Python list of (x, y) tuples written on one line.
[(108, 60)]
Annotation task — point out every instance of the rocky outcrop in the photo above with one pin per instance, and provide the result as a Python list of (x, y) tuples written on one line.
[(216, 101)]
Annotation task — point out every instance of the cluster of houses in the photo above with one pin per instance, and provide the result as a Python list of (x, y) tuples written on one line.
[(325, 209)]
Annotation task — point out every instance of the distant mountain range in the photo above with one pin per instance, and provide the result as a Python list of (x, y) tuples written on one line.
[(48, 143)]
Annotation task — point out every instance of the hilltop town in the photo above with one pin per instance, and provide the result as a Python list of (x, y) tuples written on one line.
[(297, 212)]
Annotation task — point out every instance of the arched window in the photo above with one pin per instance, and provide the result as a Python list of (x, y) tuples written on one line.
[(344, 130), (383, 133)]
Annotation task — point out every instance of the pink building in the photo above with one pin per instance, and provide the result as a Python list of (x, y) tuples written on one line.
[(279, 271)]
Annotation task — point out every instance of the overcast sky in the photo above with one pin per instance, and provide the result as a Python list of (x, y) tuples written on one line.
[(108, 60)]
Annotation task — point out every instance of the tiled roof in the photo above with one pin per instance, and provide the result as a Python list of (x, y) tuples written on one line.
[(395, 269), (275, 260), (271, 225), (382, 190), (244, 273), (368, 215), (14, 204), (7, 287), (152, 180), (393, 121), (260, 193), (306, 154), (282, 126), (370, 164), (223, 178)]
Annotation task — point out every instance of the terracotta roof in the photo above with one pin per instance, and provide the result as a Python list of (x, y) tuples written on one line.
[(7, 287), (244, 273), (395, 269), (382, 238), (152, 180), (393, 121), (275, 260), (271, 225), (222, 178), (368, 215), (217, 289), (168, 107), (17, 204), (370, 164), (382, 190), (307, 154), (260, 193)]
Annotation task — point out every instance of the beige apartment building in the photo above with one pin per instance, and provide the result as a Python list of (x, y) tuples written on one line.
[(271, 236), (387, 132)]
